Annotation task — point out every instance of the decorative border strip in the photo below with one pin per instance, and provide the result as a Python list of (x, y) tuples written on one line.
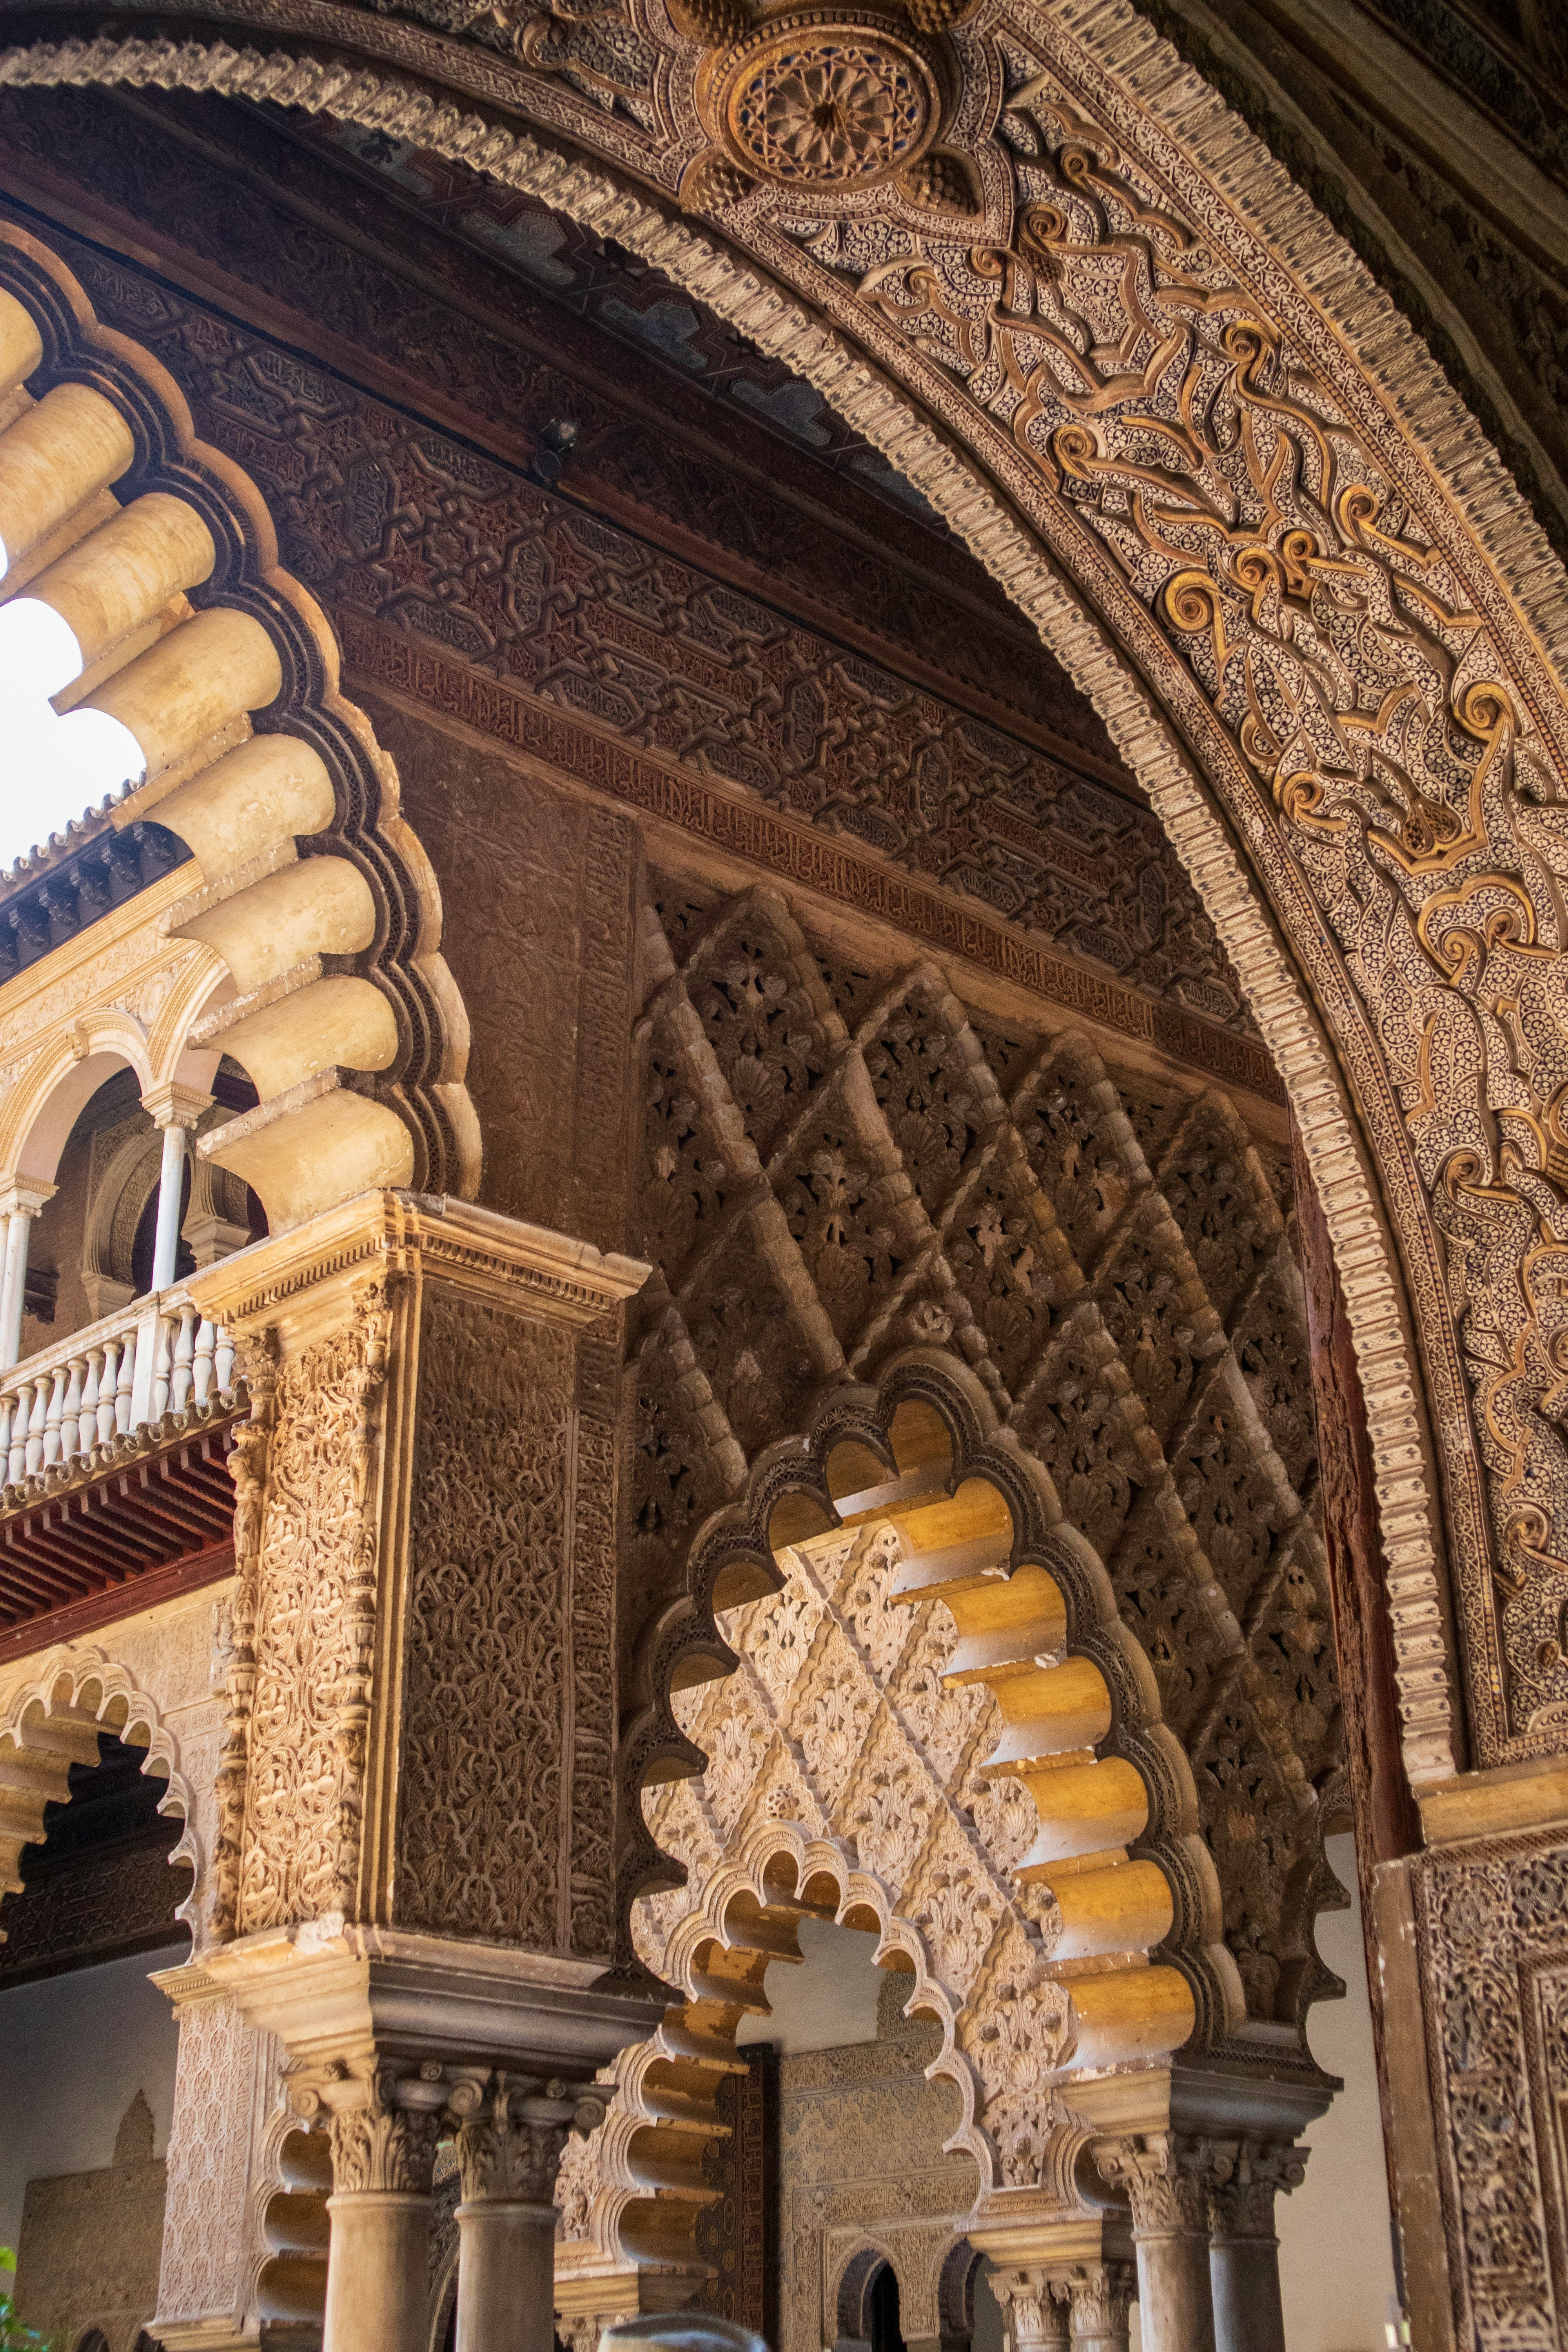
[(792, 851)]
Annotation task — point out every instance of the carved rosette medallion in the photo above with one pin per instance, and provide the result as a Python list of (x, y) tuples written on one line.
[(828, 103)]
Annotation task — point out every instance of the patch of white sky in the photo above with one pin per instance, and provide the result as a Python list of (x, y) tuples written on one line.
[(54, 765)]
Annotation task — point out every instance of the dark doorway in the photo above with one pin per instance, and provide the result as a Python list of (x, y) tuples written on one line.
[(882, 2309)]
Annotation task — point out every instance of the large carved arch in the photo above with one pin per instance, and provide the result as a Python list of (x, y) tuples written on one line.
[(1261, 534), (304, 937)]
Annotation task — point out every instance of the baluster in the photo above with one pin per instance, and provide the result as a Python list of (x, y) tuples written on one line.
[(202, 1366), (70, 1410), (108, 1382), (42, 1390), (163, 1366), (7, 1423), (17, 1467), (87, 1422), (223, 1359), (126, 1382), (53, 1418), (184, 1351)]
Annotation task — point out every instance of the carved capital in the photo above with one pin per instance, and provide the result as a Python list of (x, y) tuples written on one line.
[(1242, 2206), (1033, 2312), (1100, 2296), (1166, 2175), (512, 2132), (383, 2125)]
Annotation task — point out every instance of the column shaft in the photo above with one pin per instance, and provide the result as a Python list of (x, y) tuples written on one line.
[(377, 2283), (1248, 2313), (171, 1191), (13, 1288), (506, 2276), (1175, 2300)]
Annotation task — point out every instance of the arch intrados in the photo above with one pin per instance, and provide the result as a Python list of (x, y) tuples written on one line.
[(62, 1088)]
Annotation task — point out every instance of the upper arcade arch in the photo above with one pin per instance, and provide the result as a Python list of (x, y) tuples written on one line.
[(1252, 522), (302, 937)]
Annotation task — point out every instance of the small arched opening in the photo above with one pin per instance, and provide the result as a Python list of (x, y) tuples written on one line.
[(88, 2045)]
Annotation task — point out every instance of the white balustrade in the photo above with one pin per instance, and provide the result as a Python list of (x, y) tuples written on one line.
[(158, 1356)]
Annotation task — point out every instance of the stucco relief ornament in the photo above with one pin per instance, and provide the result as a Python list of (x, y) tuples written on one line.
[(824, 104)]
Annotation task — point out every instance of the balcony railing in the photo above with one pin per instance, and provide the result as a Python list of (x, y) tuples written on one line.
[(110, 1382)]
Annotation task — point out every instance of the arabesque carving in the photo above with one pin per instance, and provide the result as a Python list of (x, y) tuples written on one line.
[(304, 1756)]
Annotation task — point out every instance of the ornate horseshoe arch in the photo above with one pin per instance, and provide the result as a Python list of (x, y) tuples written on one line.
[(1258, 530)]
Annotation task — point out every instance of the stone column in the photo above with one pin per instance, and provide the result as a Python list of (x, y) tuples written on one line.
[(20, 1202), (384, 2130), (1033, 2314), (512, 2133), (1100, 2296), (1165, 2176), (1243, 2251), (176, 1110)]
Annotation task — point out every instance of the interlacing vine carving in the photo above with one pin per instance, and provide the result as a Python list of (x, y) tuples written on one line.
[(312, 1624)]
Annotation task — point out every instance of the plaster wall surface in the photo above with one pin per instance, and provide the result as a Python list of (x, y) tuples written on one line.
[(74, 2052), (1336, 2260)]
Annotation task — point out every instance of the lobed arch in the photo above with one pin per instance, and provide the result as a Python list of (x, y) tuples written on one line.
[(635, 2186), (1354, 911), (1124, 1963), (304, 936), (51, 1720), (1037, 1625)]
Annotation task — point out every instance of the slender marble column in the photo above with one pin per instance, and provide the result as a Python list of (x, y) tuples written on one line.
[(19, 1204), (1165, 2177), (512, 2132), (176, 1110), (1243, 2251)]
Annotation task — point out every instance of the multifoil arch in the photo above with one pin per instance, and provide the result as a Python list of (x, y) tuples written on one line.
[(52, 1719), (303, 937)]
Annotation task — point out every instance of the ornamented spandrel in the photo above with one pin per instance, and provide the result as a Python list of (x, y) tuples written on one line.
[(487, 1702), (946, 1183)]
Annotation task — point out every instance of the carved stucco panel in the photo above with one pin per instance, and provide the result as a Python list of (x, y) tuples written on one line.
[(293, 1850), (484, 1786)]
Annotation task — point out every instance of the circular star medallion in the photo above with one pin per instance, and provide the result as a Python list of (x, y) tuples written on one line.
[(821, 104)]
